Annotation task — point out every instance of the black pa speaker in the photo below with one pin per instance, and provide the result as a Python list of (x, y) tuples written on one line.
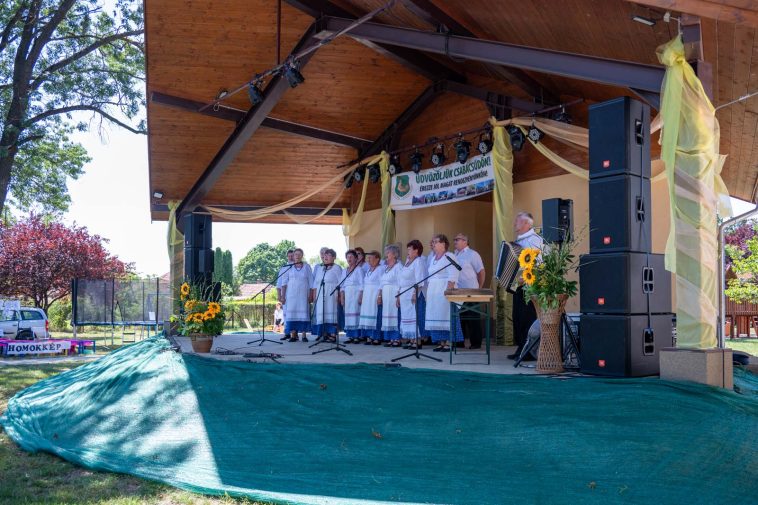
[(197, 231), (619, 283), (623, 346), (620, 214), (619, 138), (198, 264), (557, 219)]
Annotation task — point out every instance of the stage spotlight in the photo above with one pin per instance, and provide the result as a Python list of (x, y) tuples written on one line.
[(517, 137), (374, 173), (360, 173), (394, 166), (462, 148), (417, 159), (535, 134), (438, 155), (563, 116), (255, 94), (293, 75), (485, 142), (348, 180)]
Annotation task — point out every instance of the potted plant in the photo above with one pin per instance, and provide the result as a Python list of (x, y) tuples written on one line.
[(200, 318), (545, 275)]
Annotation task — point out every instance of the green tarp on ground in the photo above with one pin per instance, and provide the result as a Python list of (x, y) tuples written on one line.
[(344, 434)]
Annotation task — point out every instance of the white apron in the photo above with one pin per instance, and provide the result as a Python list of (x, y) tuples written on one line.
[(437, 306), (352, 287), (369, 308), (390, 289), (325, 311), (410, 275), (298, 282)]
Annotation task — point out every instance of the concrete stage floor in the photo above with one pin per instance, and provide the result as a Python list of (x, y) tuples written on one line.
[(298, 352)]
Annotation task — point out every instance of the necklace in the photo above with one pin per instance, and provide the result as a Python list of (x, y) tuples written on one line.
[(437, 258), (407, 263), (387, 270)]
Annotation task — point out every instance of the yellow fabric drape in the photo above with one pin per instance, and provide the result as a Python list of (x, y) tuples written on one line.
[(502, 162), (351, 224), (388, 215), (175, 245), (689, 149)]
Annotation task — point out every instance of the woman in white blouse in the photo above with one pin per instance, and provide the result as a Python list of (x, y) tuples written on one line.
[(352, 284), (371, 313), (296, 286), (325, 295), (437, 306), (390, 287), (412, 302)]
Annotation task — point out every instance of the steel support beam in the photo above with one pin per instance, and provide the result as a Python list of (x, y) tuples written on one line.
[(576, 66), (493, 98), (236, 115), (414, 60), (253, 119), (429, 12)]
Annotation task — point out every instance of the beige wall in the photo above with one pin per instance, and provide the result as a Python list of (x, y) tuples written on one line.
[(475, 219)]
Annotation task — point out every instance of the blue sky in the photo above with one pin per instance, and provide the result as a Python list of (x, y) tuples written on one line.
[(112, 200)]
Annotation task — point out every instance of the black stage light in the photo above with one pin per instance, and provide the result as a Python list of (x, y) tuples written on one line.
[(417, 160), (462, 148), (517, 137), (563, 116), (374, 173), (438, 155), (394, 166), (360, 173), (293, 75), (255, 94), (535, 134), (348, 180), (485, 142)]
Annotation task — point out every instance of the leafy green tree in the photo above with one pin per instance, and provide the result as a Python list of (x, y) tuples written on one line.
[(227, 267), (59, 58), (218, 265), (744, 289), (263, 261)]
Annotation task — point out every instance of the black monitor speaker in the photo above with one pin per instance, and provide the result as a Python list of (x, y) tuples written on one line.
[(619, 138), (620, 214), (197, 230), (557, 219)]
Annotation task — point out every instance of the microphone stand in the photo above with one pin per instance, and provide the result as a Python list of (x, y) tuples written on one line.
[(323, 309), (337, 346), (416, 353), (263, 338)]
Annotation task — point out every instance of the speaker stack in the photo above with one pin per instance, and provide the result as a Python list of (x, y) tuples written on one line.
[(625, 292), (198, 252)]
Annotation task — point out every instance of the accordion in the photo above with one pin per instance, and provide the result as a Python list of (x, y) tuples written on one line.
[(507, 265)]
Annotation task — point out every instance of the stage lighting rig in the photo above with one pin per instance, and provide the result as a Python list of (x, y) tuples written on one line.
[(535, 134), (348, 180), (417, 160), (485, 142), (292, 74), (360, 173), (374, 173), (462, 149), (517, 137), (563, 116), (438, 155), (394, 166), (255, 94)]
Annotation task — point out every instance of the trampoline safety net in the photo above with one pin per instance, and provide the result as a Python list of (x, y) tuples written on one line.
[(105, 302)]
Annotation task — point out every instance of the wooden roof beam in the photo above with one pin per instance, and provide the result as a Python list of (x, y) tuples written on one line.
[(236, 115), (416, 61), (429, 12), (713, 9), (298, 211), (626, 74), (253, 119)]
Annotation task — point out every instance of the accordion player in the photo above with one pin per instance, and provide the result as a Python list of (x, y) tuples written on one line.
[(508, 265)]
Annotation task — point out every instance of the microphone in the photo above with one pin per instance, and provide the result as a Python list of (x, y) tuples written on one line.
[(453, 262)]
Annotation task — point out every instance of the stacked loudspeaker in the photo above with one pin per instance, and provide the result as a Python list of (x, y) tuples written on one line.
[(625, 292), (198, 252)]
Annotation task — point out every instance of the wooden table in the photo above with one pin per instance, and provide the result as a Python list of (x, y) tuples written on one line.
[(481, 297)]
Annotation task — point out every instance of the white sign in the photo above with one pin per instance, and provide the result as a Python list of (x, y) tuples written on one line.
[(42, 347), (444, 184)]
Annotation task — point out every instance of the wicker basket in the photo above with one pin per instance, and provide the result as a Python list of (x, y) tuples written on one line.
[(550, 359)]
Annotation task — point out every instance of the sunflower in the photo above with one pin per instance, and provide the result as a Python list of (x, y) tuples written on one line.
[(214, 307), (189, 304), (208, 314), (527, 257), (528, 276), (184, 290)]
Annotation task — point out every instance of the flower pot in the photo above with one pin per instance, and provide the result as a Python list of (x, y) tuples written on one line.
[(550, 359), (201, 343)]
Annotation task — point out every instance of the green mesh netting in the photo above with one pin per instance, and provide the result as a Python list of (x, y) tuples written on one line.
[(321, 434)]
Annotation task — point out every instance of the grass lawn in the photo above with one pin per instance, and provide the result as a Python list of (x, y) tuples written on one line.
[(748, 345), (43, 478)]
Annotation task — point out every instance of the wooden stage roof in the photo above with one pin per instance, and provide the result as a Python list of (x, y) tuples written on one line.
[(380, 87)]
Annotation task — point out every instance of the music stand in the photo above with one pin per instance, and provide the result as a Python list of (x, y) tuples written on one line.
[(337, 346), (263, 338), (416, 353)]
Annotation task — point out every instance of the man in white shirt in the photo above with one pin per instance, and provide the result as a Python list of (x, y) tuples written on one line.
[(471, 276), (524, 313)]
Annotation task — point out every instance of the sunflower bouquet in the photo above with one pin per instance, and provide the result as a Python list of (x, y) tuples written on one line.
[(199, 315), (545, 272)]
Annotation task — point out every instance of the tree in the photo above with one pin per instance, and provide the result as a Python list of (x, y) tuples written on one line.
[(58, 58), (38, 260), (744, 288), (227, 268), (218, 262), (263, 261)]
